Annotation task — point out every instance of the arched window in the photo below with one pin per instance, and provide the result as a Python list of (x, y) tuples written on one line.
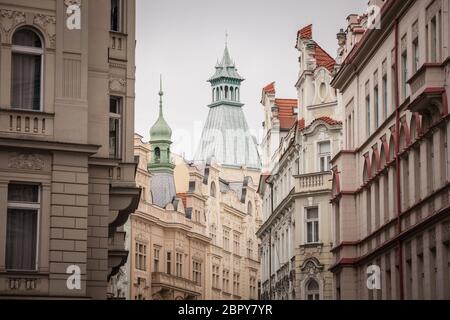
[(213, 190), (26, 70), (157, 154), (237, 94), (232, 93), (217, 94), (226, 92), (312, 290), (250, 208)]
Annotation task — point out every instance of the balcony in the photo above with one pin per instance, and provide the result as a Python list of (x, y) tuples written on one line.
[(426, 85), (26, 123), (313, 182), (166, 284)]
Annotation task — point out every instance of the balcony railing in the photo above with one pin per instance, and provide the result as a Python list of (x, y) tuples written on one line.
[(313, 182), (25, 122), (160, 279)]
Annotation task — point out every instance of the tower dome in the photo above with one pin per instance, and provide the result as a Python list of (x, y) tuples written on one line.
[(160, 131)]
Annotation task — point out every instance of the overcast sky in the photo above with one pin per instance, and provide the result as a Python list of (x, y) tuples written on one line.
[(182, 40)]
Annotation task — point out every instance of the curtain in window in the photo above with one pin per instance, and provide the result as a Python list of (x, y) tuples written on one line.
[(23, 193), (26, 81), (21, 237)]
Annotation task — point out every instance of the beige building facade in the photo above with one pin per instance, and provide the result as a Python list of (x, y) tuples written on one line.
[(66, 145), (301, 136), (390, 183)]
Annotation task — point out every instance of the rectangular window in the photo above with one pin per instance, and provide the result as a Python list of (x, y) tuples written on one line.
[(433, 38), (404, 73), (236, 242), (385, 97), (115, 115), (216, 276), (376, 106), (116, 15), (197, 272), (226, 240), (156, 260), (191, 186), (312, 225), (141, 256), (179, 265), (22, 227), (369, 131), (213, 234), (416, 53), (26, 80), (236, 284), (324, 156), (226, 281), (169, 263)]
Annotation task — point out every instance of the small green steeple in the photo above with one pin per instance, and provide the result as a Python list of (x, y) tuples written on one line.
[(160, 141)]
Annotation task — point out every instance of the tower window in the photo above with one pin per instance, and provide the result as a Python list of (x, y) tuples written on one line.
[(116, 15), (157, 154)]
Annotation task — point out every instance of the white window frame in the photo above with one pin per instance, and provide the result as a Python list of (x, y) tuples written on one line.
[(327, 156), (117, 116), (312, 221), (36, 52), (120, 18), (30, 206)]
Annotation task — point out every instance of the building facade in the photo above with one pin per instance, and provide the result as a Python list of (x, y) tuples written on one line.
[(301, 136), (390, 183), (67, 167)]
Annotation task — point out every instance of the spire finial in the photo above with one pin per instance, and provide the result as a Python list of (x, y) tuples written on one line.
[(161, 93)]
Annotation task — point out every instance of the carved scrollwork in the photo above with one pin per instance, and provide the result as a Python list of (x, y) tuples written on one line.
[(9, 19), (117, 85), (48, 24), (26, 162), (69, 3)]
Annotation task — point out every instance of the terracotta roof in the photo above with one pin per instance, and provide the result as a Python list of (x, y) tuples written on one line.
[(301, 124), (327, 120), (270, 88), (286, 112), (183, 197), (323, 59), (305, 33)]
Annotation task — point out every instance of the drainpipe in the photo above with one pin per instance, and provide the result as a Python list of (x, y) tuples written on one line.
[(270, 245), (397, 162)]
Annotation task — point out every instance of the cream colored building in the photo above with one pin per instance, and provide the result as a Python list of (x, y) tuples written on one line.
[(301, 137), (390, 183), (66, 158)]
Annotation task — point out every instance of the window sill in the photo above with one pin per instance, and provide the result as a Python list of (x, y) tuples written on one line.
[(312, 245), (24, 111)]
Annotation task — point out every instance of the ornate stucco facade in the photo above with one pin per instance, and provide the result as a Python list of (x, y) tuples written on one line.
[(301, 136), (67, 166), (390, 183)]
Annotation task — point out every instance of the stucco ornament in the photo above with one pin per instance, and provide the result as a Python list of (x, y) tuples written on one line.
[(48, 24), (10, 19), (26, 162), (117, 85)]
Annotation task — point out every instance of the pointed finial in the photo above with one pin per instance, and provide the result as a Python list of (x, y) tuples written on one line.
[(161, 93)]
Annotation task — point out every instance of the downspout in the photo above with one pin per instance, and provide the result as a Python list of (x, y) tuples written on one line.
[(270, 245), (397, 162)]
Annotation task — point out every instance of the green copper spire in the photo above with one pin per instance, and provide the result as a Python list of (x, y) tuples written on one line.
[(160, 130)]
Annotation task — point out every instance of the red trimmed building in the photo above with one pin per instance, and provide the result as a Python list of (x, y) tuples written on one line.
[(391, 182)]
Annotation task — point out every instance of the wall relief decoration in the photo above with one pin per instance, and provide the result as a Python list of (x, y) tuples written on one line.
[(10, 19), (47, 23), (26, 162)]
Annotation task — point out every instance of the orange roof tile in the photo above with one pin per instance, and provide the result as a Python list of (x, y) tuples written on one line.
[(327, 120), (286, 112), (183, 197), (323, 59), (305, 33), (270, 88)]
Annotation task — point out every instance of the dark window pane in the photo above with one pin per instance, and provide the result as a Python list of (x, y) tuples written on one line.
[(115, 15), (26, 81), (26, 38), (114, 105), (23, 193), (114, 138), (21, 239)]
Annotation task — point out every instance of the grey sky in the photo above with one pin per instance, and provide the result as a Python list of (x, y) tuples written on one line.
[(182, 39)]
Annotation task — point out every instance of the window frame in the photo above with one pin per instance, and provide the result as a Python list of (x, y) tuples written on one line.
[(324, 155), (14, 205), (116, 116), (120, 22), (312, 222), (24, 50)]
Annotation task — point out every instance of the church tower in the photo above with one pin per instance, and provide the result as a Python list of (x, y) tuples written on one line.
[(226, 137), (161, 166)]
